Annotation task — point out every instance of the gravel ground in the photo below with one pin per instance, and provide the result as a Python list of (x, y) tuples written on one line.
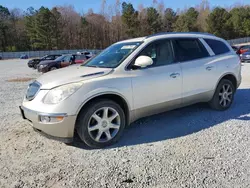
[(189, 147)]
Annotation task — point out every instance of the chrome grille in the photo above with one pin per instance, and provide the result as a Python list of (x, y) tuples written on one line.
[(32, 90)]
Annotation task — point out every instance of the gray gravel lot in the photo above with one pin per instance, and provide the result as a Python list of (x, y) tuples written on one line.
[(189, 147)]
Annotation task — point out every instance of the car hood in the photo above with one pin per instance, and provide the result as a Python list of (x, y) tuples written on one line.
[(70, 74)]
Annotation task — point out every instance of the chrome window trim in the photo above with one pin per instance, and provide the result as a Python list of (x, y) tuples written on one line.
[(210, 51)]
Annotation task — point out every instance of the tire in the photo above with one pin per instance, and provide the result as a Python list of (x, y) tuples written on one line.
[(95, 133), (53, 68), (35, 66), (220, 96)]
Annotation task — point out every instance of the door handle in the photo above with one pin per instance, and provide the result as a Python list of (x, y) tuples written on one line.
[(174, 75), (209, 68)]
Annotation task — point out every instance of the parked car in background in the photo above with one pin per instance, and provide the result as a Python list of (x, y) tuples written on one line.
[(79, 59), (235, 48), (245, 57), (1, 57), (34, 62), (24, 56), (86, 53), (61, 62), (130, 80), (243, 49)]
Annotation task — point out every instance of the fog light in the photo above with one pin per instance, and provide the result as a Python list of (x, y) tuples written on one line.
[(45, 119), (51, 119)]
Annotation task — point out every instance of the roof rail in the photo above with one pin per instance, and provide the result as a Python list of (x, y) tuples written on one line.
[(167, 33)]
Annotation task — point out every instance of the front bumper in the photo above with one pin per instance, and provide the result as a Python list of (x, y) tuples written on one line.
[(30, 64), (245, 60), (43, 70), (62, 131)]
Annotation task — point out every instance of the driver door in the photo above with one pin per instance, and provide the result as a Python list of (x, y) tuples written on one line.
[(158, 87), (66, 61)]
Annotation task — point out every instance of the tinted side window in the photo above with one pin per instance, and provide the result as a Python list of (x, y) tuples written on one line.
[(49, 58), (160, 51), (189, 49), (218, 47), (68, 58)]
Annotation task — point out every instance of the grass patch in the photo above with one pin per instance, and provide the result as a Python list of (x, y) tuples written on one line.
[(25, 79)]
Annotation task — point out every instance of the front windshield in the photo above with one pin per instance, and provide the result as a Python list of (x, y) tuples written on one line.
[(60, 58), (44, 57), (113, 55)]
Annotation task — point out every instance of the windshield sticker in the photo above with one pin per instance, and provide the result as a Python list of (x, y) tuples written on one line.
[(128, 47)]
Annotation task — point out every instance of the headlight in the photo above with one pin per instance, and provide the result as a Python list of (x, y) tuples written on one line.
[(60, 93), (247, 56), (42, 66)]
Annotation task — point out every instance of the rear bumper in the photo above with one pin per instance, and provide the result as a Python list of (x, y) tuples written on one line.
[(244, 58), (62, 131)]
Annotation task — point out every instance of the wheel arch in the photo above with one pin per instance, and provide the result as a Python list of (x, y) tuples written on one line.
[(228, 76), (116, 97)]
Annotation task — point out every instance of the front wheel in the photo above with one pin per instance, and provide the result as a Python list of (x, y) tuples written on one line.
[(53, 68), (101, 123), (223, 96)]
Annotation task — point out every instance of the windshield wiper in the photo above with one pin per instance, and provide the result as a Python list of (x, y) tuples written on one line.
[(92, 66)]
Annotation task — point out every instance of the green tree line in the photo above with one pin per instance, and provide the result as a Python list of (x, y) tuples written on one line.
[(61, 27)]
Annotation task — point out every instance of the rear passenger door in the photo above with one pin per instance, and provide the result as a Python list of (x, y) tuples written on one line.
[(197, 69)]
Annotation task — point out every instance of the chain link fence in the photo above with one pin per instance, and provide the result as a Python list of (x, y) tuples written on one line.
[(34, 54), (239, 41)]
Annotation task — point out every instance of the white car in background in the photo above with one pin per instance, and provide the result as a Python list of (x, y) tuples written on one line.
[(129, 80)]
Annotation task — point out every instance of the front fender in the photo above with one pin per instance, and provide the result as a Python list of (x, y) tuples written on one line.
[(103, 91)]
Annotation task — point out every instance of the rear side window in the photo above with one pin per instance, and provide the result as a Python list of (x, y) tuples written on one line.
[(218, 47), (189, 49)]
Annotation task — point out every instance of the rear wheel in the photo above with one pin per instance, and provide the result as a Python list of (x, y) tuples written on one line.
[(101, 123), (223, 96)]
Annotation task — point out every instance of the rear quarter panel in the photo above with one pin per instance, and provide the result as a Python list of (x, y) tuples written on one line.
[(228, 64)]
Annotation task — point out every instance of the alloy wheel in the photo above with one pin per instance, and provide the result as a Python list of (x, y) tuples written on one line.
[(226, 95), (104, 124)]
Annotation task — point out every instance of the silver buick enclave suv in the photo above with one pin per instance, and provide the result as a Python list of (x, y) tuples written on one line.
[(130, 80)]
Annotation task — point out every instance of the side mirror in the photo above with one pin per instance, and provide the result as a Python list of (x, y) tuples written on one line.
[(143, 61)]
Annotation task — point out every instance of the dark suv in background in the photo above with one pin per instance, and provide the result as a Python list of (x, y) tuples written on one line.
[(34, 62)]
